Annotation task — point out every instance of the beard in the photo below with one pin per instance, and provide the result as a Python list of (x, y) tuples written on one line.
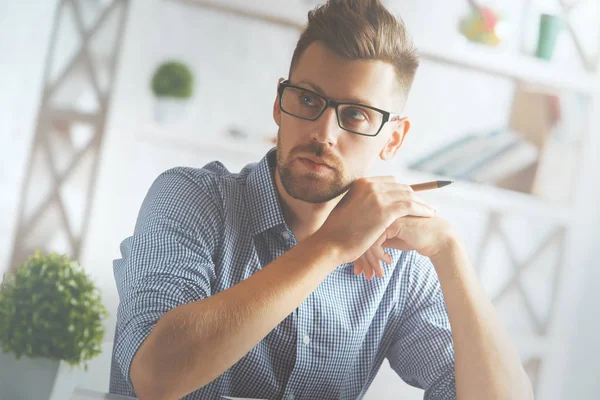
[(311, 186)]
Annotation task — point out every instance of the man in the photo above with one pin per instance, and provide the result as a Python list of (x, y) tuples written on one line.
[(247, 285)]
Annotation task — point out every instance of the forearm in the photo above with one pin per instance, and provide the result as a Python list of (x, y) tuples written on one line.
[(195, 343), (487, 363)]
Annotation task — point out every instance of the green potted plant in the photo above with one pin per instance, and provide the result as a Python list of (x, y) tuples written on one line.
[(51, 313), (172, 86)]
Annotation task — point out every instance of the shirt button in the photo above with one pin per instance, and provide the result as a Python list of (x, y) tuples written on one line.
[(306, 339), (290, 397), (286, 235)]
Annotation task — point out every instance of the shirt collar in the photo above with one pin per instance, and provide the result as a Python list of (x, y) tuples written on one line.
[(263, 199)]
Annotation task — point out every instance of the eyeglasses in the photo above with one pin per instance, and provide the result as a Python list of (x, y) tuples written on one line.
[(352, 117)]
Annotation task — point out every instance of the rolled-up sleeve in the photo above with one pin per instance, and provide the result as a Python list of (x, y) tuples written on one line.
[(168, 260), (422, 352)]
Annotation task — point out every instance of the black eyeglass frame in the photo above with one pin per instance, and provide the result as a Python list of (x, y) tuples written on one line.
[(387, 116)]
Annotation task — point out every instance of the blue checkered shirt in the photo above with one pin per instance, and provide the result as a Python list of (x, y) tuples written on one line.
[(201, 231)]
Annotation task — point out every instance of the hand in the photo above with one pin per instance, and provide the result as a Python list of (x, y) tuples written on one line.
[(365, 213), (428, 236)]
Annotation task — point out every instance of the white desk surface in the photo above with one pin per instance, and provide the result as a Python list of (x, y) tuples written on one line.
[(84, 394)]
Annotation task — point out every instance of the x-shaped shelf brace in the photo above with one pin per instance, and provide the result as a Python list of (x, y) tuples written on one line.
[(50, 116), (557, 235), (532, 368), (83, 55), (533, 364)]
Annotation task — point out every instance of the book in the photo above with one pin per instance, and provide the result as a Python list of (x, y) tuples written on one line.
[(445, 154), (515, 157), (489, 147), (482, 158)]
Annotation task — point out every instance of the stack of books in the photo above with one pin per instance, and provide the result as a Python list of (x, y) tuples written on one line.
[(483, 158)]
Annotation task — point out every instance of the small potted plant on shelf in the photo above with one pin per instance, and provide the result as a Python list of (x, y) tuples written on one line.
[(172, 85), (51, 313)]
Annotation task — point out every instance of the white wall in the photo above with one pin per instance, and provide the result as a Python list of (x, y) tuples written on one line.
[(24, 37), (119, 191), (581, 373)]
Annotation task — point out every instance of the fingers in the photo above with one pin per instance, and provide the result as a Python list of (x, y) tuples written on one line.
[(392, 189), (403, 201), (377, 264), (380, 254), (366, 267), (385, 191), (406, 207), (388, 186), (378, 251), (358, 268), (382, 179), (402, 195), (383, 184), (363, 265), (370, 262)]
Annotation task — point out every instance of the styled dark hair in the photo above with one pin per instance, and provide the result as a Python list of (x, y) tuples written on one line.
[(361, 30)]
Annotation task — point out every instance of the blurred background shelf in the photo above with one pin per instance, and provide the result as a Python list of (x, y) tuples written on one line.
[(270, 11), (469, 194), (509, 64), (462, 193), (189, 142)]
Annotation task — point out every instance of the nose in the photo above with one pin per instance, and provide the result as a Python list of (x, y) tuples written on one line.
[(326, 128)]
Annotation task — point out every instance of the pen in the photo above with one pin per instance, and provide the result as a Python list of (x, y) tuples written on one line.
[(430, 185)]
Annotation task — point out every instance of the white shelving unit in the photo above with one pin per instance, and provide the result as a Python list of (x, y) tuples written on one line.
[(505, 63), (458, 53)]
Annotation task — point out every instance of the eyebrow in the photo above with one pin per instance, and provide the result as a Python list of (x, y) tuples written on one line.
[(318, 89)]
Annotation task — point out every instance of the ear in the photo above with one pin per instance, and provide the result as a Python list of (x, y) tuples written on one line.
[(396, 139), (276, 108)]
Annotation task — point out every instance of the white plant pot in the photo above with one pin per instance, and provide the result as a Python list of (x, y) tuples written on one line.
[(168, 109), (35, 379)]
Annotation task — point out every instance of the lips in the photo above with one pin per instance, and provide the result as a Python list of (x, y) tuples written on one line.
[(317, 161)]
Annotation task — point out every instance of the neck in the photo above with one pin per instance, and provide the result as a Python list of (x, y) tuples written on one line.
[(303, 218)]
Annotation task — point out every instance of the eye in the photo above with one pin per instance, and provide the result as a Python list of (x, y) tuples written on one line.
[(308, 100), (356, 114)]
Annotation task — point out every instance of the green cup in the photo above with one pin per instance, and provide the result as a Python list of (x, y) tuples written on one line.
[(550, 27)]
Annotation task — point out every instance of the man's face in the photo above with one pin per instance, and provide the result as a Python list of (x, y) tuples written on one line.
[(317, 160)]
